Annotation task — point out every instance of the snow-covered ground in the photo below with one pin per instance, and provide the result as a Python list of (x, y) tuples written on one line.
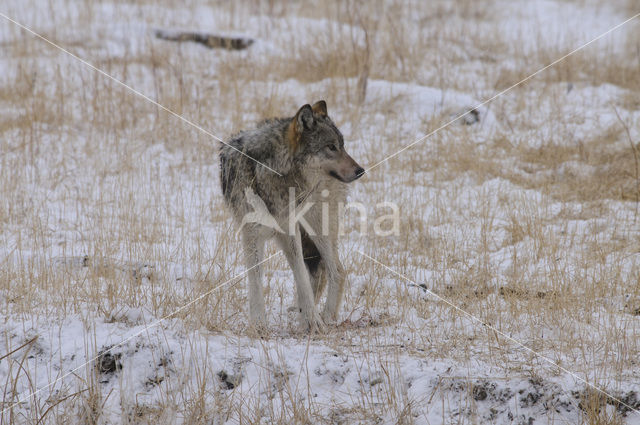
[(510, 295)]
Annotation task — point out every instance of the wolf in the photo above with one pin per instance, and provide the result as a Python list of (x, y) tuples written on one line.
[(297, 170)]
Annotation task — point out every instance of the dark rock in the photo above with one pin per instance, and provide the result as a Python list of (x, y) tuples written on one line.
[(108, 362), (229, 382), (479, 394)]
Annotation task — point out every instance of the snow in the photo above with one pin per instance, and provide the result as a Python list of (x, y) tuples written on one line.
[(416, 353)]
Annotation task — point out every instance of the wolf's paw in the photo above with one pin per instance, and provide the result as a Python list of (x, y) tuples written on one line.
[(258, 326), (258, 320), (257, 330), (329, 318), (312, 323)]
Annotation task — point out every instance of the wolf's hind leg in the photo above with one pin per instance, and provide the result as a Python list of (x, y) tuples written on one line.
[(315, 265), (254, 253), (318, 281)]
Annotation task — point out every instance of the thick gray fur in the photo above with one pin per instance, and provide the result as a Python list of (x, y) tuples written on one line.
[(308, 151)]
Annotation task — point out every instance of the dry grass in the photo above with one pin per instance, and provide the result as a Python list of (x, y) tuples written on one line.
[(532, 232)]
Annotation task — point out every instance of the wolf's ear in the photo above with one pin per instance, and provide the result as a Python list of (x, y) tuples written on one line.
[(304, 118), (320, 108)]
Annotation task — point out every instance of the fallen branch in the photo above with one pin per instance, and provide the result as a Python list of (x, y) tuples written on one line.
[(209, 40)]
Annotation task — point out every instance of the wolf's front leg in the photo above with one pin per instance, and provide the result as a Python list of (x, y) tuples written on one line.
[(292, 248), (335, 277), (254, 252)]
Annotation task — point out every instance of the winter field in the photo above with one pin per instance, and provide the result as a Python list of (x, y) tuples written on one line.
[(510, 293)]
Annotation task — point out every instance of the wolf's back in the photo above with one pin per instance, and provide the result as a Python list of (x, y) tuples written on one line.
[(263, 146), (231, 160)]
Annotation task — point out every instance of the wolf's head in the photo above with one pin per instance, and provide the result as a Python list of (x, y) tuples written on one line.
[(317, 143)]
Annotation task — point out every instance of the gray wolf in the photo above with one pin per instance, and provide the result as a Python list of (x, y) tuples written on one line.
[(308, 151)]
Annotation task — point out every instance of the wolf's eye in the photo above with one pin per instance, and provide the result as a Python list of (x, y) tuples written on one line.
[(333, 148)]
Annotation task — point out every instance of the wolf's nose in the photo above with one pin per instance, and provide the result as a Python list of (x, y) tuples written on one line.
[(359, 172)]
